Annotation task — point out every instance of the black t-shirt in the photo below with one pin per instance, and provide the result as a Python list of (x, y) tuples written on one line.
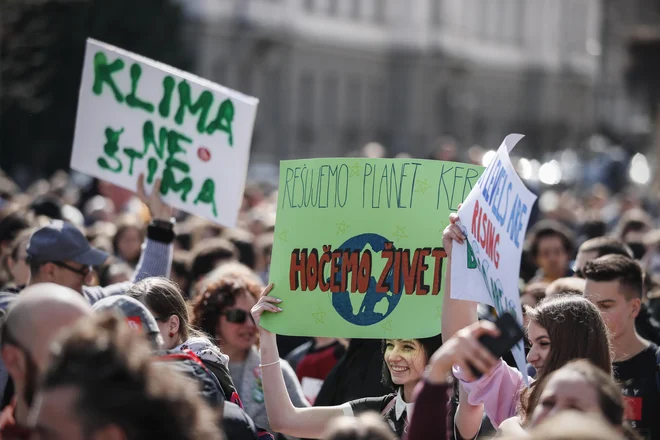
[(379, 404), (638, 378)]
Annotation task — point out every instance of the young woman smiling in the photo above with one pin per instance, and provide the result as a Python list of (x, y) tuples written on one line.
[(404, 364)]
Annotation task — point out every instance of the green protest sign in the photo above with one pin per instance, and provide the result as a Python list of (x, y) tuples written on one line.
[(358, 245), (137, 116)]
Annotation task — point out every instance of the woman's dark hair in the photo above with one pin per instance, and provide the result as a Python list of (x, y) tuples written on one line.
[(217, 297), (368, 426), (576, 331), (164, 299), (609, 394), (429, 345)]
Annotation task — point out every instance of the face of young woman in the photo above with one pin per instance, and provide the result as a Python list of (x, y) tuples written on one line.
[(539, 346), (406, 360), (566, 390), (235, 326)]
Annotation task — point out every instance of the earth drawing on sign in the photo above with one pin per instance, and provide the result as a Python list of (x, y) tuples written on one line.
[(371, 307)]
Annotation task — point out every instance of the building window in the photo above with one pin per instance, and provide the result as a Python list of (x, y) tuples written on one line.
[(333, 8), (308, 5), (306, 99), (330, 102), (380, 11), (356, 9)]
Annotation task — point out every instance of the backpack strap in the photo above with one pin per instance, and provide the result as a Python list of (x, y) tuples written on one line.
[(388, 407)]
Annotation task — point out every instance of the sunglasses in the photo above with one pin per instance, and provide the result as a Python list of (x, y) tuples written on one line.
[(237, 316), (84, 271)]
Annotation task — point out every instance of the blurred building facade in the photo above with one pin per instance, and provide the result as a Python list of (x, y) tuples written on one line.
[(334, 74), (617, 110)]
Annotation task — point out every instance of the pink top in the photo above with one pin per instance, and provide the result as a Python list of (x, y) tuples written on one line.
[(499, 390)]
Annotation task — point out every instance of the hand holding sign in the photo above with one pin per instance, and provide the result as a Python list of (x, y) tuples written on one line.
[(157, 207), (265, 304)]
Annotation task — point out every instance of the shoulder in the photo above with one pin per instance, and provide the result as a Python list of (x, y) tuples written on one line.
[(236, 423), (371, 403)]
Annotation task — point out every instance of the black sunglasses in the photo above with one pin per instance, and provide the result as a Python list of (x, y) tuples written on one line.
[(237, 316), (84, 271)]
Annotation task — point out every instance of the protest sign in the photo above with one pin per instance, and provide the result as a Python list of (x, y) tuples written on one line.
[(358, 245), (494, 219), (137, 116)]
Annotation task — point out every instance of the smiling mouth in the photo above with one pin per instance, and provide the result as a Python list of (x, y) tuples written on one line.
[(398, 369)]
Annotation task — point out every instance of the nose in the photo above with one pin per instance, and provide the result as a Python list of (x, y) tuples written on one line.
[(532, 356), (394, 354)]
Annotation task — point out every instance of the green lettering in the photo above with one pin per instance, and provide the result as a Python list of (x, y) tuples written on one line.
[(149, 138), (169, 182), (207, 195), (152, 166), (173, 148), (111, 148), (165, 103), (223, 120), (202, 105), (131, 99), (103, 74)]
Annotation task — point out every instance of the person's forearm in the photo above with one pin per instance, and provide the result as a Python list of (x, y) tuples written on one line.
[(282, 415), (155, 260), (468, 417), (456, 313), (429, 418)]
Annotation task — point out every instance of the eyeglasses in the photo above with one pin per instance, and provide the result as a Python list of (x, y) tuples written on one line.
[(84, 271), (237, 316)]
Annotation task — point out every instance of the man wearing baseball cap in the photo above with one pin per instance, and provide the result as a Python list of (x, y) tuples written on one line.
[(59, 253)]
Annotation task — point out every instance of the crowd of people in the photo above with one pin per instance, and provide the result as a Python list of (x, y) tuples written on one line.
[(124, 319)]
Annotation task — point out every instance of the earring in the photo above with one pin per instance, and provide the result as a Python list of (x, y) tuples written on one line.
[(171, 334)]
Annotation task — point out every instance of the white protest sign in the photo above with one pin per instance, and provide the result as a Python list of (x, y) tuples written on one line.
[(494, 219), (137, 116)]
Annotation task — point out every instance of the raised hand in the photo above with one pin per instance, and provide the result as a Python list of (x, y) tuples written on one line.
[(463, 349), (265, 304), (157, 207), (452, 233)]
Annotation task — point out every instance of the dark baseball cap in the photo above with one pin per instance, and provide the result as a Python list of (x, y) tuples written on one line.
[(137, 315), (61, 241)]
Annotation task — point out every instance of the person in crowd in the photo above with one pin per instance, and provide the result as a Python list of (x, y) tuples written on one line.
[(101, 383), (244, 242), (559, 330), (127, 241), (578, 386), (209, 254), (596, 248), (563, 285), (403, 364), (632, 228), (137, 316), (533, 293), (368, 426), (114, 272), (16, 259), (32, 323), (615, 286), (222, 310), (164, 300), (60, 253), (551, 246), (180, 272), (313, 361)]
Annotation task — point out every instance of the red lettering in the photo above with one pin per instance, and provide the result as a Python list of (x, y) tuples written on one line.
[(484, 229), (396, 277), (297, 269), (496, 256), (350, 264), (439, 254), (325, 259), (475, 219), (422, 289), (335, 269), (409, 270), (312, 269), (364, 274)]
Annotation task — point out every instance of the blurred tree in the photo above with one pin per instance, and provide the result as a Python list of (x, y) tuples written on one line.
[(643, 79), (42, 44)]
